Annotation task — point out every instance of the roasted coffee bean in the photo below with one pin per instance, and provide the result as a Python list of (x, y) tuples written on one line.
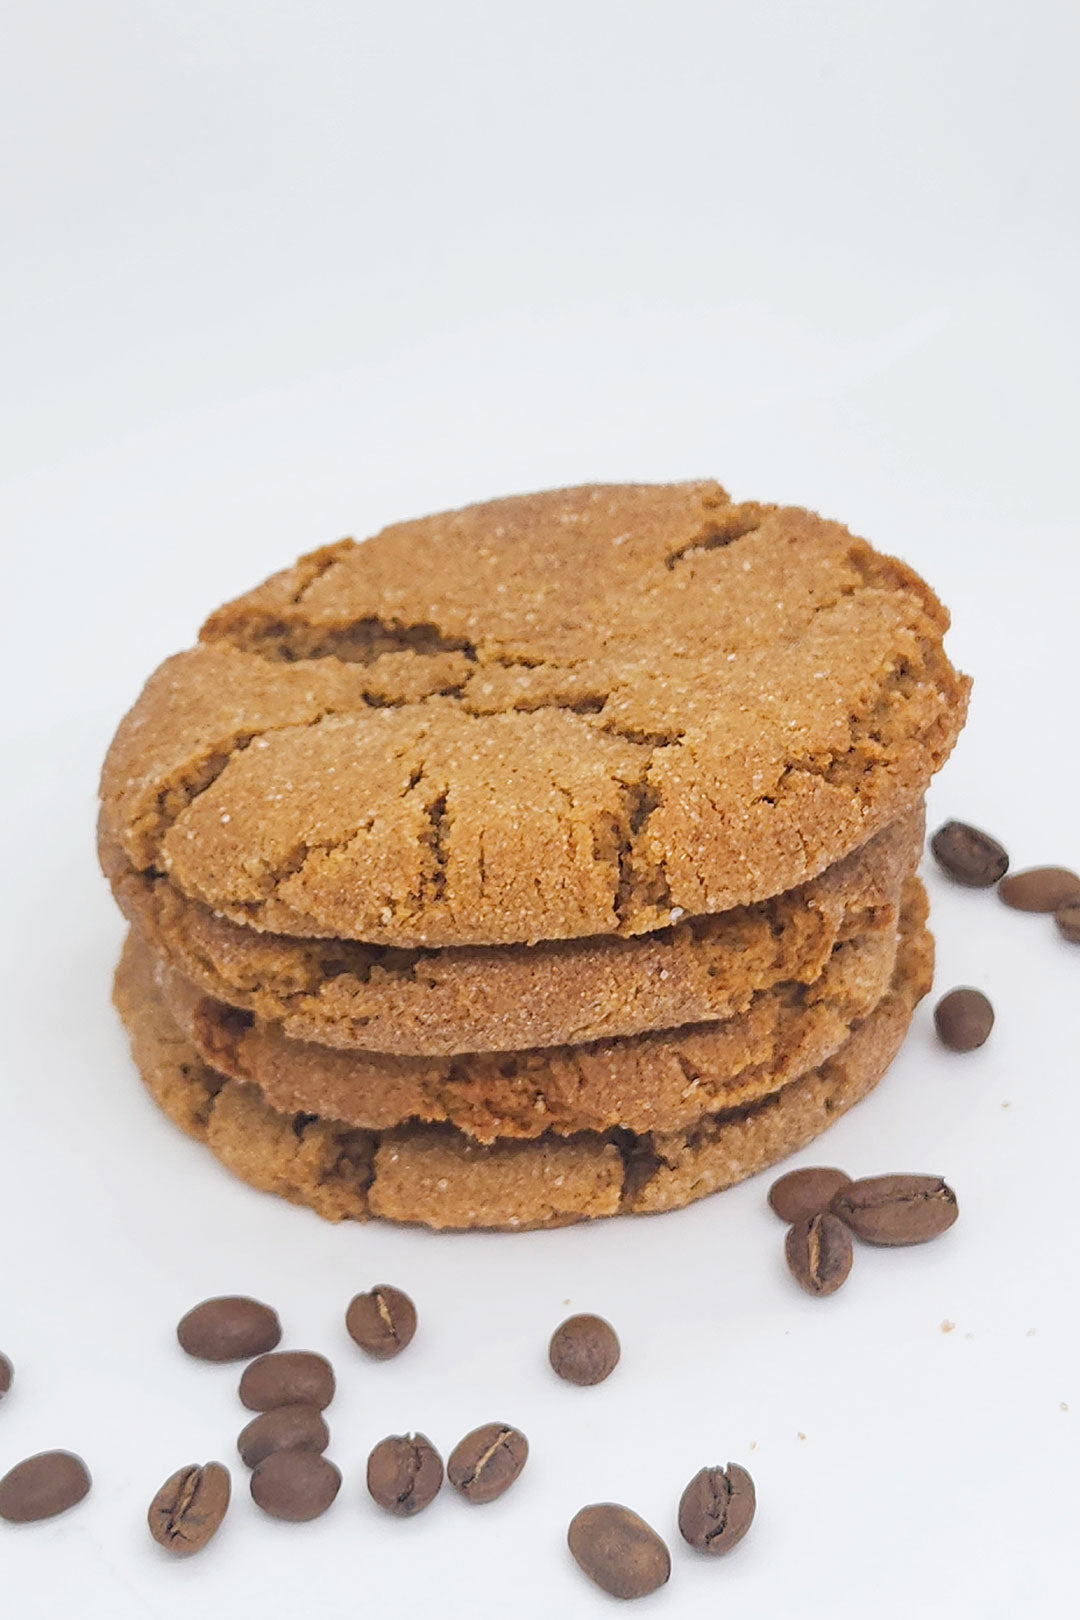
[(287, 1378), (295, 1485), (382, 1322), (404, 1474), (229, 1329), (42, 1486), (7, 1373), (584, 1350), (819, 1254), (717, 1508), (894, 1210), (969, 856), (618, 1550), (963, 1019), (487, 1462), (1068, 921), (187, 1511), (1041, 888), (283, 1428), (802, 1193)]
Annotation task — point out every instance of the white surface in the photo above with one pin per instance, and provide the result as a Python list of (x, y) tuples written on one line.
[(277, 272)]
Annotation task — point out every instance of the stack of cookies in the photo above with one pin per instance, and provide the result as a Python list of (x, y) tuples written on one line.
[(548, 859)]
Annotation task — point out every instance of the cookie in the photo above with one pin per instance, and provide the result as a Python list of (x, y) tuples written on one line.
[(592, 711), (509, 998), (436, 1176), (662, 1080)]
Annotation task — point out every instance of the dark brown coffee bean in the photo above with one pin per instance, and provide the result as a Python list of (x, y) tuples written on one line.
[(283, 1428), (963, 1019), (487, 1462), (969, 856), (584, 1350), (187, 1511), (802, 1193), (717, 1508), (42, 1486), (1068, 921), (287, 1378), (819, 1254), (895, 1210), (229, 1329), (295, 1485), (382, 1322), (7, 1373), (404, 1474), (618, 1550), (1041, 888)]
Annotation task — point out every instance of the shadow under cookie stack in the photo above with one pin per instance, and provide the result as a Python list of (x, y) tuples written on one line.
[(550, 859)]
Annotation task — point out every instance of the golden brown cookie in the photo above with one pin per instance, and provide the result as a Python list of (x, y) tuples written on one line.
[(436, 1176), (586, 712), (661, 1081), (510, 997)]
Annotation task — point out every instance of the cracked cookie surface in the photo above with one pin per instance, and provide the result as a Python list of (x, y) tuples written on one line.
[(436, 1176), (504, 998), (578, 713)]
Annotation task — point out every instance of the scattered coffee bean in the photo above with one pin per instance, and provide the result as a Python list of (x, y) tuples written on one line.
[(382, 1322), (295, 1485), (187, 1511), (584, 1350), (969, 856), (229, 1329), (1068, 921), (42, 1486), (618, 1550), (283, 1428), (1041, 888), (802, 1193), (895, 1210), (717, 1508), (487, 1462), (819, 1254), (287, 1378), (404, 1474), (963, 1019), (7, 1373)]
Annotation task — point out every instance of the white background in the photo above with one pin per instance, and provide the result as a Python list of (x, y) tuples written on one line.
[(271, 273)]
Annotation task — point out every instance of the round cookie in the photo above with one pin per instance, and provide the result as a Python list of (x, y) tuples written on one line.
[(585, 712), (438, 1177), (508, 998)]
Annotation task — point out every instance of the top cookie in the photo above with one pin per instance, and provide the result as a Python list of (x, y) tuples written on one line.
[(582, 712)]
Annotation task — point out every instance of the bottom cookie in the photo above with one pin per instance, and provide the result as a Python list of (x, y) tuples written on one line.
[(436, 1176)]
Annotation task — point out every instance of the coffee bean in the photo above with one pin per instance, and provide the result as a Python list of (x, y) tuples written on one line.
[(295, 1485), (7, 1373), (717, 1508), (969, 856), (187, 1511), (487, 1462), (381, 1322), (283, 1428), (231, 1328), (1068, 921), (1041, 888), (963, 1019), (287, 1378), (894, 1210), (42, 1486), (618, 1550), (819, 1254), (802, 1193), (404, 1474), (584, 1350)]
